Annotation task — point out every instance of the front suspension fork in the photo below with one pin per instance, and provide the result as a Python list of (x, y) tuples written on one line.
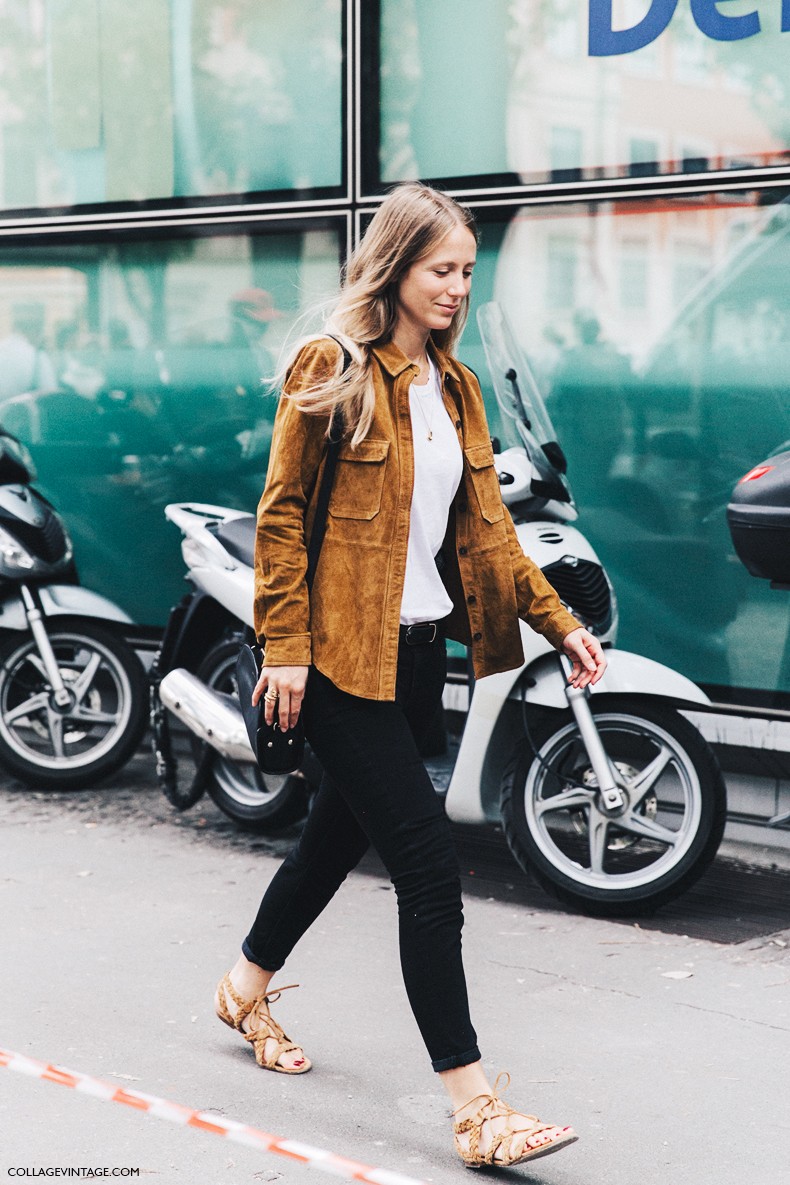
[(35, 619), (605, 773)]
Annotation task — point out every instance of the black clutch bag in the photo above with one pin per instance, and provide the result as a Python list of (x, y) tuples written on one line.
[(276, 752)]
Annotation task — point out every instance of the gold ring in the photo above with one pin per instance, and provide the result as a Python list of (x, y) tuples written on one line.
[(271, 698)]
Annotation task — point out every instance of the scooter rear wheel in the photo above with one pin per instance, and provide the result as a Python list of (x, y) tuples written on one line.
[(609, 863), (70, 746), (253, 801)]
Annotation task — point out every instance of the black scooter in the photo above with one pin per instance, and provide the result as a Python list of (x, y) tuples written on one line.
[(73, 693), (759, 520)]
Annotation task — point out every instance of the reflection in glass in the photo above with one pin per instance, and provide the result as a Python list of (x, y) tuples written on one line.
[(423, 104), (103, 100), (535, 106), (150, 362), (666, 374)]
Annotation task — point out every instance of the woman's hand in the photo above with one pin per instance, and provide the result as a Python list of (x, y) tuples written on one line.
[(288, 683), (589, 662)]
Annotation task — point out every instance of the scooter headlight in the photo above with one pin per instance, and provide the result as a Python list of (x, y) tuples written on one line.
[(13, 553)]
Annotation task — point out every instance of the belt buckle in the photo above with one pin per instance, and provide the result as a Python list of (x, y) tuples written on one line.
[(413, 632)]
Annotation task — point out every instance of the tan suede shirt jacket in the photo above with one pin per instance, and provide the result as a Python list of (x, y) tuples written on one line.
[(348, 627)]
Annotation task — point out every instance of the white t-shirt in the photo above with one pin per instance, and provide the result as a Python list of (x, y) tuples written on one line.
[(438, 465)]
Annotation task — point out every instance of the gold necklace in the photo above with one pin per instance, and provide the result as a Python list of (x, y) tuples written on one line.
[(418, 398)]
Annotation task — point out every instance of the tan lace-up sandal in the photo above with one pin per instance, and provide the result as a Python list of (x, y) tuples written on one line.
[(512, 1140), (263, 1027)]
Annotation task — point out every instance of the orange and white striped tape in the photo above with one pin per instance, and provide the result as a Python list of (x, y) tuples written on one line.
[(231, 1129)]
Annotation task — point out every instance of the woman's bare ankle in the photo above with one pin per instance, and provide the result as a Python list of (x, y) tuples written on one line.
[(464, 1084), (249, 979)]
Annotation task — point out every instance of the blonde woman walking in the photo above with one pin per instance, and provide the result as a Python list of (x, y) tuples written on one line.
[(362, 656)]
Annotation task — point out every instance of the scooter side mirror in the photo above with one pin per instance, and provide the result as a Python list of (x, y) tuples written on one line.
[(554, 453)]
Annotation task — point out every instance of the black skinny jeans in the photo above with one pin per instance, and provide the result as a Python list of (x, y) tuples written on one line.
[(376, 791)]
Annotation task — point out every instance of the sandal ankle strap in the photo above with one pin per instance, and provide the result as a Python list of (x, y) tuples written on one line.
[(245, 1007), (274, 994), (493, 1097)]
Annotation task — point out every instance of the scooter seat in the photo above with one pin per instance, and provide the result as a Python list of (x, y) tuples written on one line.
[(237, 536)]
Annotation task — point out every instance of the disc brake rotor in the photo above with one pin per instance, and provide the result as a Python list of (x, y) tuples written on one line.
[(648, 807), (73, 734)]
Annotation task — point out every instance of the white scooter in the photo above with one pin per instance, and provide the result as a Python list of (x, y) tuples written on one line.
[(610, 796)]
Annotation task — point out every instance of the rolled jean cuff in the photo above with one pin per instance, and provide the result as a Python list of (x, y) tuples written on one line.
[(457, 1059), (249, 954)]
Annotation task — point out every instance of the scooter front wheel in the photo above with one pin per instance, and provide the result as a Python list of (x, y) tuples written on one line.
[(77, 743), (628, 861)]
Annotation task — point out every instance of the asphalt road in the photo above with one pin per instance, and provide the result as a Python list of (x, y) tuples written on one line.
[(666, 1043)]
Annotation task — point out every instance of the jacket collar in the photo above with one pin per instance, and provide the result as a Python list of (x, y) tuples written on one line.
[(395, 361)]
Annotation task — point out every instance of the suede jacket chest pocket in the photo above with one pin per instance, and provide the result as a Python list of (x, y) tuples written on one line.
[(359, 480), (480, 459)]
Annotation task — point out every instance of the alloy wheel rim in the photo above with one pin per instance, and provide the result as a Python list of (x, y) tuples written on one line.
[(660, 823), (48, 737)]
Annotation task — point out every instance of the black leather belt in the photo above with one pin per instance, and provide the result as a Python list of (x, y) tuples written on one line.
[(420, 634)]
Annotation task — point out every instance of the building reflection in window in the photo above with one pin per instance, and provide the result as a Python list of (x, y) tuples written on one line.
[(152, 360), (662, 339)]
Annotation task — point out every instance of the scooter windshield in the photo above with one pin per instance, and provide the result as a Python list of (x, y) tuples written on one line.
[(525, 421)]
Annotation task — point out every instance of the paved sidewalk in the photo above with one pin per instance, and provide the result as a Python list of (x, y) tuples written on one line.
[(668, 1050)]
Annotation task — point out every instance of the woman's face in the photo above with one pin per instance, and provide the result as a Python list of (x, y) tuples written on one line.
[(434, 287)]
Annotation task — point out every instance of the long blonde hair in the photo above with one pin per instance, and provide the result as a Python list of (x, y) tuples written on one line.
[(411, 221)]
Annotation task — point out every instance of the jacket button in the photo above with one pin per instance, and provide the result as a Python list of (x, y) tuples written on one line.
[(458, 423), (462, 551), (476, 637), (471, 599)]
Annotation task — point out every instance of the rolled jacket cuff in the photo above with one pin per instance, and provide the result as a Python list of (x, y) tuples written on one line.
[(292, 651), (558, 626)]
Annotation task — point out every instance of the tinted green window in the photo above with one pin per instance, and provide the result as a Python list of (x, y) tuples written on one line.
[(134, 372), (110, 101), (443, 89), (666, 372), (508, 90)]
